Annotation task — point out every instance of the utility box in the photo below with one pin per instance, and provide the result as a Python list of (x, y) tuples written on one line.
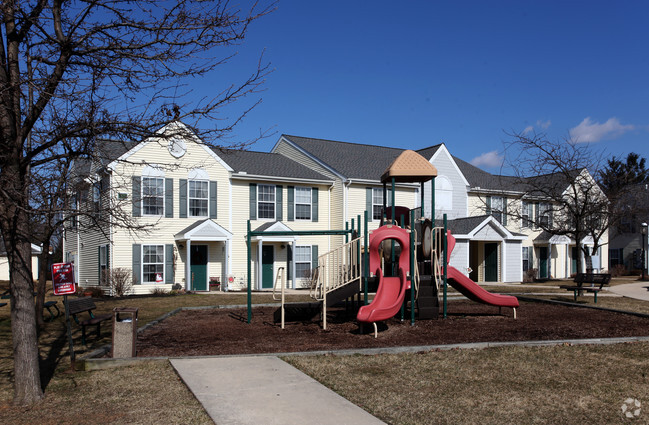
[(124, 332)]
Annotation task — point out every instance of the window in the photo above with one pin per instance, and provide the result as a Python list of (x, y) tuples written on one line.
[(527, 212), (153, 193), (198, 198), (526, 258), (153, 263), (498, 207), (266, 201), (303, 203), (96, 197), (303, 262), (103, 263), (443, 194), (544, 214), (377, 202), (74, 206)]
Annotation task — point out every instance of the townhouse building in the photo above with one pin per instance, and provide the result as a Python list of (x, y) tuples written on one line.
[(179, 211)]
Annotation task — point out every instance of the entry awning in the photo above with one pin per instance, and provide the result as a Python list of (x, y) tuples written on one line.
[(204, 231), (275, 226)]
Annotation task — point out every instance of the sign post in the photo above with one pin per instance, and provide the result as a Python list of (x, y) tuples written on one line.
[(63, 283)]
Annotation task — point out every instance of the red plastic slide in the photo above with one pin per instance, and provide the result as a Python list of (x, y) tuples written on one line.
[(475, 292), (469, 288), (392, 290)]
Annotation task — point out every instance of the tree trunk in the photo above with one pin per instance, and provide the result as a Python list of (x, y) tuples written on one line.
[(27, 381)]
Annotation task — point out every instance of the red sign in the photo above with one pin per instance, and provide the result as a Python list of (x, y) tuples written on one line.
[(63, 279)]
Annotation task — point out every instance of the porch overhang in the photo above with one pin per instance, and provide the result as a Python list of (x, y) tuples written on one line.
[(204, 231), (276, 226)]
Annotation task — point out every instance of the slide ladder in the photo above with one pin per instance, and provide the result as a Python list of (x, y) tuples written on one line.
[(338, 275)]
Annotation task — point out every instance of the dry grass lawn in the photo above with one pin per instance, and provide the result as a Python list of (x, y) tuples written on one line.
[(547, 385)]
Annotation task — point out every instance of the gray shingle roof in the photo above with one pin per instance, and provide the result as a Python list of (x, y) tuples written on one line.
[(351, 160), (462, 226), (267, 164)]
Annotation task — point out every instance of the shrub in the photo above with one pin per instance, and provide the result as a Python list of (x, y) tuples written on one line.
[(159, 291), (530, 275), (119, 280), (92, 291), (618, 270)]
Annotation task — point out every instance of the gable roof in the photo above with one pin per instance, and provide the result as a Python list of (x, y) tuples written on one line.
[(267, 164), (350, 160)]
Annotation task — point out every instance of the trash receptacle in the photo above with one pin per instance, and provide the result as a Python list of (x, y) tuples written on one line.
[(124, 332)]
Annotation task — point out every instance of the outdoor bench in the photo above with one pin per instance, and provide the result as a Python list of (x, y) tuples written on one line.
[(593, 279), (77, 306), (49, 305)]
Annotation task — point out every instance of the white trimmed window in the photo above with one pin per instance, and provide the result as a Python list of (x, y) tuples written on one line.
[(544, 214), (103, 263), (303, 203), (526, 258), (153, 263), (153, 195), (527, 212), (198, 198), (266, 201), (443, 194), (377, 202), (497, 207), (303, 261)]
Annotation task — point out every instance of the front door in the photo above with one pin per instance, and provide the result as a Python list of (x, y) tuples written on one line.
[(575, 258), (267, 263), (491, 262), (199, 267), (543, 262)]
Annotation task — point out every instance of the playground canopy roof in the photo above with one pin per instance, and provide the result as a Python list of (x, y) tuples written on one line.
[(409, 167)]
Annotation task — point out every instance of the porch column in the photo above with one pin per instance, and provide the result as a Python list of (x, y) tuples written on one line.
[(503, 275), (293, 285), (549, 260), (260, 244), (228, 258), (188, 267)]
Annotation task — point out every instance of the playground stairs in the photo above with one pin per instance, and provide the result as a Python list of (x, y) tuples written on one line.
[(428, 299), (342, 293)]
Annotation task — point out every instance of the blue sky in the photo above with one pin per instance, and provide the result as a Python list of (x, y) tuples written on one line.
[(412, 74)]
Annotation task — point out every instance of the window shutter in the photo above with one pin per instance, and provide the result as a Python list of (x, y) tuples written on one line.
[(488, 205), (314, 256), (169, 198), (253, 201), (369, 203), (137, 264), (107, 256), (182, 198), (169, 263), (213, 197), (314, 204), (278, 203), (99, 265), (504, 211), (536, 215), (289, 259), (290, 203), (136, 196)]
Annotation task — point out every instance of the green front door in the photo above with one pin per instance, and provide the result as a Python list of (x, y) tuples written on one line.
[(267, 262), (573, 262), (491, 262), (199, 267), (543, 262)]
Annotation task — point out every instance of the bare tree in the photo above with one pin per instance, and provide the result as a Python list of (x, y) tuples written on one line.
[(558, 177), (75, 72)]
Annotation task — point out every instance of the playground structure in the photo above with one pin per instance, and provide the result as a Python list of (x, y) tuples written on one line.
[(419, 265)]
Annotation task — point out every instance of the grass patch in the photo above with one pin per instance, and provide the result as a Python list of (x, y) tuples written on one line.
[(546, 385), (149, 393)]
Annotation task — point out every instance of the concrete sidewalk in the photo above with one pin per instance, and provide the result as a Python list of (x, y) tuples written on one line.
[(638, 290), (265, 390)]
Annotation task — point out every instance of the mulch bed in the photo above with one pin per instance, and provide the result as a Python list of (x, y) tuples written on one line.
[(225, 331)]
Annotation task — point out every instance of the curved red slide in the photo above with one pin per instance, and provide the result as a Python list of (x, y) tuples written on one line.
[(475, 292), (392, 290)]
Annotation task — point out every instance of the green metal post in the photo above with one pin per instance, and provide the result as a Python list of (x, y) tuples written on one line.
[(412, 269), (347, 228), (394, 218), (421, 201), (432, 201), (248, 243), (445, 262), (366, 259)]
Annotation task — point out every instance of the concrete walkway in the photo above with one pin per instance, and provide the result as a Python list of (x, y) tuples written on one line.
[(265, 390), (638, 290)]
